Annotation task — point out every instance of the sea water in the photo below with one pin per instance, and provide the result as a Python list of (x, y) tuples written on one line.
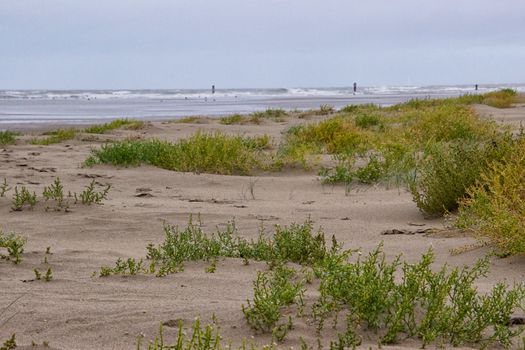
[(86, 106)]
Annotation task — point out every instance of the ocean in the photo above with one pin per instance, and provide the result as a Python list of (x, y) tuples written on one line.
[(88, 106)]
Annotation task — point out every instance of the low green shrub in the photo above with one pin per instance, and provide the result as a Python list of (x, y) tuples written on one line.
[(295, 243), (8, 137), (447, 170), (55, 136), (400, 300), (115, 124), (232, 119), (368, 120), (210, 153), (494, 207), (23, 198), (500, 99), (277, 115), (14, 244), (273, 290), (200, 337)]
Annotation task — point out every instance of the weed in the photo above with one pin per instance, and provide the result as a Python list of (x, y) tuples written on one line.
[(211, 153), (213, 266), (294, 243), (232, 119), (129, 266), (115, 124), (14, 245), (200, 337), (4, 187), (56, 136), (190, 120), (49, 275), (368, 120), (372, 172), (38, 274), (277, 115), (272, 291), (7, 137), (440, 306), (90, 195), (55, 192), (449, 169), (9, 344), (494, 207), (22, 198)]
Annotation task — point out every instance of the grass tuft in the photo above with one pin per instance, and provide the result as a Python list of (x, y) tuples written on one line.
[(115, 124), (55, 136), (8, 137), (209, 153)]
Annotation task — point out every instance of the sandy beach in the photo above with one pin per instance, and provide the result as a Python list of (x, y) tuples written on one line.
[(78, 311)]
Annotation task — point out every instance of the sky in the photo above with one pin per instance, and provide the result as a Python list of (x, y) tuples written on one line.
[(138, 44)]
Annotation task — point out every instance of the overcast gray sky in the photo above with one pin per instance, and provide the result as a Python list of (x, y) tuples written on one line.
[(65, 44)]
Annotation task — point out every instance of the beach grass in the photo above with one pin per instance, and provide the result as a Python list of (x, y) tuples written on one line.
[(115, 124), (55, 136), (194, 119), (494, 207), (8, 137), (214, 153), (385, 299)]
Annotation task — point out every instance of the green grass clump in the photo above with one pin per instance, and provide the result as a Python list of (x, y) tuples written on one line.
[(194, 119), (23, 198), (295, 243), (232, 119), (55, 136), (115, 124), (209, 153), (503, 98), (200, 337), (494, 207), (9, 344), (368, 120), (277, 115), (273, 290), (500, 99), (398, 300), (448, 169), (14, 244), (8, 137)]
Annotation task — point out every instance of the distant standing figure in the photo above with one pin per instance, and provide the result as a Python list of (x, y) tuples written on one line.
[(476, 87), (355, 88), (213, 89)]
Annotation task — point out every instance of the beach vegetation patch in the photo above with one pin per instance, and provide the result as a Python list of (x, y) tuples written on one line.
[(55, 136), (233, 119), (272, 291), (23, 198), (274, 114), (194, 119), (214, 153), (297, 243), (494, 207), (448, 169), (14, 245), (8, 137), (115, 124), (4, 188), (398, 300)]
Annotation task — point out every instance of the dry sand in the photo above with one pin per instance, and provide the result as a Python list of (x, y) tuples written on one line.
[(76, 311)]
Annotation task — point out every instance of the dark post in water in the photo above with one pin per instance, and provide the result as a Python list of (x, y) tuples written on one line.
[(476, 86), (355, 88), (213, 89)]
